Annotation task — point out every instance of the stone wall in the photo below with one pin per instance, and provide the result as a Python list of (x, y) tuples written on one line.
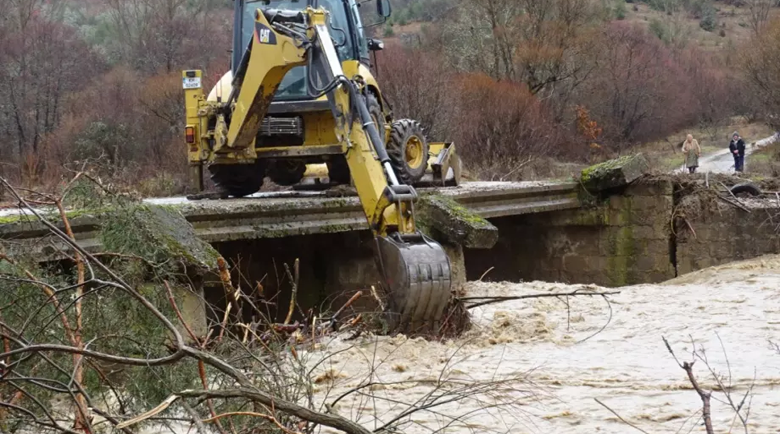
[(720, 232), (626, 238), (623, 239)]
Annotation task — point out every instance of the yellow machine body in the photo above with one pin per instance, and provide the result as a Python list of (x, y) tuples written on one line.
[(225, 131)]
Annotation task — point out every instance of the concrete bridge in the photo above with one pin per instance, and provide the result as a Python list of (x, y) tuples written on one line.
[(629, 230), (286, 214), (328, 236)]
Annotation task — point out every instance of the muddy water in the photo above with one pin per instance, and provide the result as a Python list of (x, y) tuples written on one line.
[(554, 361)]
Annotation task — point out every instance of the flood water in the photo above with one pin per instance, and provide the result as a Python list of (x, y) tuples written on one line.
[(548, 364)]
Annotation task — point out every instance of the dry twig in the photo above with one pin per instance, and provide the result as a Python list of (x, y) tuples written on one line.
[(619, 416)]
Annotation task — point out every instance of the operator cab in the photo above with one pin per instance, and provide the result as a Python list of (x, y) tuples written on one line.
[(345, 27)]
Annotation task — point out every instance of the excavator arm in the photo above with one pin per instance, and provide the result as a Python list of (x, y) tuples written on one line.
[(415, 269)]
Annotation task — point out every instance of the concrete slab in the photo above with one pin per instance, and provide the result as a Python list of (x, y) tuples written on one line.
[(285, 214)]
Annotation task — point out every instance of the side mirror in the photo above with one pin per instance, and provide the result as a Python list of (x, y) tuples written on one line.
[(376, 45), (383, 8)]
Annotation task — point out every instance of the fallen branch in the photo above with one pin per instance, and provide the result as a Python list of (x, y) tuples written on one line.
[(149, 414), (335, 317), (738, 203), (252, 414), (690, 227), (620, 417), (329, 420), (482, 301)]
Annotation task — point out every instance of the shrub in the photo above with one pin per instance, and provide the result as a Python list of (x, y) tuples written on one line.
[(659, 29), (667, 6), (100, 140), (500, 126), (620, 10), (709, 19), (697, 7), (416, 83)]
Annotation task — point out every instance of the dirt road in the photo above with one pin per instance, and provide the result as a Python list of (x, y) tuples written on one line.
[(723, 162), (556, 362)]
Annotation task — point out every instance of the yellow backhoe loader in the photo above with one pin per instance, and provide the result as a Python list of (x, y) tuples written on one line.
[(300, 93)]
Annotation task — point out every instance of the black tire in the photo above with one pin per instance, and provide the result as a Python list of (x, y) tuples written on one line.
[(238, 180), (375, 110), (287, 172), (747, 187), (409, 163)]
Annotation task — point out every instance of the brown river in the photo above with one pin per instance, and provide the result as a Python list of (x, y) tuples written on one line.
[(534, 366)]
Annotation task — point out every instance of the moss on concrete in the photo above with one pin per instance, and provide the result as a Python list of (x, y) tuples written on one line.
[(442, 216), (622, 252), (156, 233), (52, 215), (456, 210), (614, 173), (602, 169)]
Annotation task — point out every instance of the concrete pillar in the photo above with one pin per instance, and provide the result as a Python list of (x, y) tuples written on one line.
[(458, 266), (193, 309)]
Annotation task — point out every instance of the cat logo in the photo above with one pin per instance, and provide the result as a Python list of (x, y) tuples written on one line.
[(265, 36)]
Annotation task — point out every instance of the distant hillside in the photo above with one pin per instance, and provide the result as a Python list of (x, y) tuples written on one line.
[(712, 25), (728, 25)]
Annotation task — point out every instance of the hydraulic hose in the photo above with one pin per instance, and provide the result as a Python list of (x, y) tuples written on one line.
[(373, 133), (370, 128)]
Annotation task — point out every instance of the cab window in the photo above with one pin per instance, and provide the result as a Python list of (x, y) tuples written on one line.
[(294, 86)]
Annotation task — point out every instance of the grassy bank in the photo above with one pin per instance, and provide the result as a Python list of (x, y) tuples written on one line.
[(764, 163)]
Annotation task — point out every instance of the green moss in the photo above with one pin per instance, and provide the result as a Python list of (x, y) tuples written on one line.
[(52, 216), (614, 173), (446, 220), (157, 233), (602, 169), (11, 219), (455, 209), (597, 216), (622, 249)]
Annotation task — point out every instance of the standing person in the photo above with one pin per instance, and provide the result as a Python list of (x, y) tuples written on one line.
[(737, 148), (692, 152)]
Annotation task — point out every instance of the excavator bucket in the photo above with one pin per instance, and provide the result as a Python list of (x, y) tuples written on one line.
[(417, 275)]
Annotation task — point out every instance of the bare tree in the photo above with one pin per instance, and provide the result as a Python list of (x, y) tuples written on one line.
[(545, 44), (760, 63), (164, 36), (759, 13), (43, 60)]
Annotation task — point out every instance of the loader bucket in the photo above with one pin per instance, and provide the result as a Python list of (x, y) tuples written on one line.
[(417, 276), (444, 167)]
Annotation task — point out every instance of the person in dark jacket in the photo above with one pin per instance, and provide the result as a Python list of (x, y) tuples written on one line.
[(737, 148)]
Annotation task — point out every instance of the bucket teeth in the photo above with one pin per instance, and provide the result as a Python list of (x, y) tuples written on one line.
[(418, 280)]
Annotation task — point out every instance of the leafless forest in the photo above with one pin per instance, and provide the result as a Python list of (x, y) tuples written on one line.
[(95, 82)]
